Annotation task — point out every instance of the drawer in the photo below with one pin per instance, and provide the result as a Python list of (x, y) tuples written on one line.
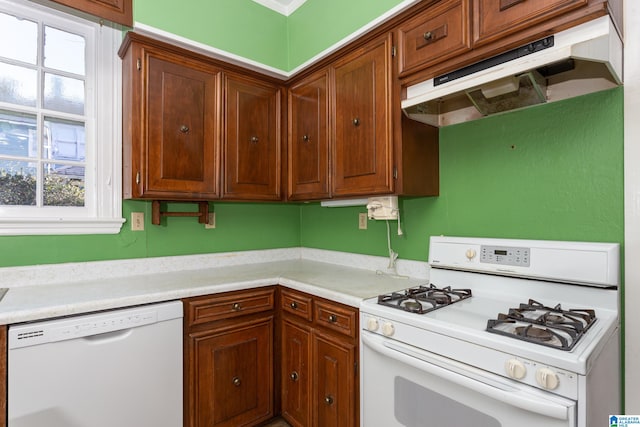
[(439, 33), (297, 304), (337, 318), (498, 18), (228, 305)]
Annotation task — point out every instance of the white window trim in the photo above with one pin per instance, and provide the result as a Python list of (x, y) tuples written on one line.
[(104, 213)]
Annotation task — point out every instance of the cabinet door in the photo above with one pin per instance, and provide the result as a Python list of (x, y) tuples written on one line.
[(334, 398), (120, 11), (309, 139), (296, 371), (252, 140), (231, 375), (499, 18), (363, 143), (182, 130)]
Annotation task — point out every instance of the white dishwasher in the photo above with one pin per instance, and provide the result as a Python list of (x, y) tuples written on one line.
[(114, 368)]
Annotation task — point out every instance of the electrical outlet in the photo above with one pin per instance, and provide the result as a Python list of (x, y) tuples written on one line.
[(211, 220), (362, 220), (137, 221)]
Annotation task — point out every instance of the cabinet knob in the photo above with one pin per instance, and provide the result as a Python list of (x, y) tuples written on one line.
[(294, 376), (428, 35), (356, 122), (254, 139), (236, 306), (236, 381), (333, 318), (184, 129), (293, 305), (328, 400), (305, 138)]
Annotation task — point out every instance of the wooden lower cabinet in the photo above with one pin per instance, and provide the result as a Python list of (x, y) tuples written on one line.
[(296, 372), (319, 375), (237, 343), (228, 365), (334, 382)]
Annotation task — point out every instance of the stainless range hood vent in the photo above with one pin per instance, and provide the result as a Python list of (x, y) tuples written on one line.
[(583, 59)]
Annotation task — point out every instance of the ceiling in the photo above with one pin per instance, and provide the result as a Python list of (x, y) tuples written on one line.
[(285, 7)]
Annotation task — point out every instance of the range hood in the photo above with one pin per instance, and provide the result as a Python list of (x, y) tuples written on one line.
[(583, 59)]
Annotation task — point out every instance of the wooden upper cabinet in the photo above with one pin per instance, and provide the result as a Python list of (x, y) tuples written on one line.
[(118, 11), (495, 19), (439, 33), (171, 132), (363, 149), (252, 139), (309, 138)]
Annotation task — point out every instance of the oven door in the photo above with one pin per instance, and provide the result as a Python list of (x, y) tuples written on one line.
[(405, 386)]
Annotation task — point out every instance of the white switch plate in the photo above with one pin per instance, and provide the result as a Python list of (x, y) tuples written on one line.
[(362, 220), (137, 221), (211, 221)]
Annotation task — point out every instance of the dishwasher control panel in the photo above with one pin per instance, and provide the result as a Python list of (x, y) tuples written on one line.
[(28, 334)]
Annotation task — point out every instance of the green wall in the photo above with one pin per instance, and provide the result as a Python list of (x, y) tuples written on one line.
[(241, 27), (548, 172), (318, 24), (239, 226)]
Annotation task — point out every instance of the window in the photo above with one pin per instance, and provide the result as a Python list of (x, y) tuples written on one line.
[(60, 126)]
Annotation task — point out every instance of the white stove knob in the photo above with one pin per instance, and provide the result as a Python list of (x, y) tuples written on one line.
[(372, 324), (515, 369), (548, 379), (388, 329), (470, 254)]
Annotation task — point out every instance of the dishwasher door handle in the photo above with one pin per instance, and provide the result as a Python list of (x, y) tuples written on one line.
[(109, 337)]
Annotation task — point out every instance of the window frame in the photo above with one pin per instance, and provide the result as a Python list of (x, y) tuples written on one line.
[(102, 213)]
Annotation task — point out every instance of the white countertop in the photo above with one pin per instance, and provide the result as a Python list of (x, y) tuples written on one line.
[(42, 292)]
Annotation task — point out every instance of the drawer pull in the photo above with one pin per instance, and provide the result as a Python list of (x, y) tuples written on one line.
[(305, 138), (294, 376), (236, 306), (356, 121), (293, 305), (236, 381), (254, 139), (184, 129), (333, 318), (328, 400), (432, 36)]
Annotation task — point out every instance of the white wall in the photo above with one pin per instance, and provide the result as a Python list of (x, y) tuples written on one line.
[(632, 203)]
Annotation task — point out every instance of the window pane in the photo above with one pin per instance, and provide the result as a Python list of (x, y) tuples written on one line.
[(63, 51), (63, 185), (64, 140), (23, 36), (18, 135), (63, 94), (18, 85), (17, 183)]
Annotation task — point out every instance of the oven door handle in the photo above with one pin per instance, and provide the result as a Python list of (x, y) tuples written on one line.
[(428, 363)]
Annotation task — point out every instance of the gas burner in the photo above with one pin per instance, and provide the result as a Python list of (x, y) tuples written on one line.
[(534, 322), (423, 299)]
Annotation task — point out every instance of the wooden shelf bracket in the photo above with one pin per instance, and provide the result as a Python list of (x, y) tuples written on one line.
[(157, 213)]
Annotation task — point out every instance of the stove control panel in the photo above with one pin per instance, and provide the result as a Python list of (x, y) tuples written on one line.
[(505, 255)]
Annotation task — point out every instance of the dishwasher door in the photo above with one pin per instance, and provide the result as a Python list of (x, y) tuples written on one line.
[(117, 368)]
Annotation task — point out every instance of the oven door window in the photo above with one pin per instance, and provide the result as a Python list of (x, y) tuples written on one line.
[(404, 386)]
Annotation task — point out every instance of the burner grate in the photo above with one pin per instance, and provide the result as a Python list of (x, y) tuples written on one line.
[(549, 326), (423, 299)]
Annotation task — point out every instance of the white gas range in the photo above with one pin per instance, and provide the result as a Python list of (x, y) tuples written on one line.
[(507, 332)]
